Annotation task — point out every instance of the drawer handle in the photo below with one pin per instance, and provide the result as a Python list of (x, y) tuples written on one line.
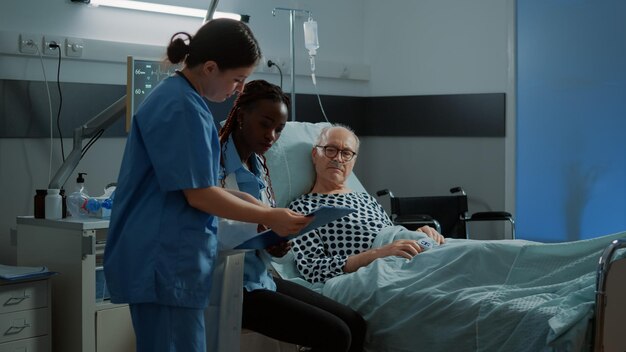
[(17, 327), (16, 300)]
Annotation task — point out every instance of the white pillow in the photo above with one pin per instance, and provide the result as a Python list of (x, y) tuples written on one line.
[(290, 164)]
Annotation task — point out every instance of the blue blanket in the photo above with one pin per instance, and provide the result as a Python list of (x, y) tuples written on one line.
[(509, 295)]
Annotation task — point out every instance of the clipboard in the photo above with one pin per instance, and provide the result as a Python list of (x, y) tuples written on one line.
[(323, 215)]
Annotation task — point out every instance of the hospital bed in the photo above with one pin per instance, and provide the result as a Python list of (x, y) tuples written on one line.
[(587, 318)]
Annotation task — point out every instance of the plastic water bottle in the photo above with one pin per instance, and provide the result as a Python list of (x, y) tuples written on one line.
[(54, 204), (107, 205), (92, 205)]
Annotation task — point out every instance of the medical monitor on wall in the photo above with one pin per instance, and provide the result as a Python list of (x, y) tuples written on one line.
[(142, 75)]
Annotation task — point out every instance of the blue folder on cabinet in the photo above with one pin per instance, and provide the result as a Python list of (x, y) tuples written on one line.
[(323, 215), (9, 272)]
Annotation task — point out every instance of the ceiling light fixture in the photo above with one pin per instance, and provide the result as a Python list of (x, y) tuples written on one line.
[(167, 9)]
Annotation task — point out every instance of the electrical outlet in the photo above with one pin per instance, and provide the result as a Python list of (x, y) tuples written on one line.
[(276, 62), (74, 47), (47, 41), (28, 43)]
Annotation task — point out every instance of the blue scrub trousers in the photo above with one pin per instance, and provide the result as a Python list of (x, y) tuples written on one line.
[(160, 328)]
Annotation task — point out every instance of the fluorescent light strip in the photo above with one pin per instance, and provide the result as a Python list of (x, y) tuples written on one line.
[(168, 9)]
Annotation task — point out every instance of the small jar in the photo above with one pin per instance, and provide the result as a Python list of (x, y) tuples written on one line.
[(54, 206), (40, 203)]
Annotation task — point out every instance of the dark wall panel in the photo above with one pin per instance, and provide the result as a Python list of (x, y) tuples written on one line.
[(458, 115), (24, 112)]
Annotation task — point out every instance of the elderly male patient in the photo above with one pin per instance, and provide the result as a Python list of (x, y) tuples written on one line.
[(344, 245)]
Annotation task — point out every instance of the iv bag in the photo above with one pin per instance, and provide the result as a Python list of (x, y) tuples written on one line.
[(311, 42)]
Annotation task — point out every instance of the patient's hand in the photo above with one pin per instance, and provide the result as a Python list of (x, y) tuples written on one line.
[(432, 233), (401, 248), (279, 250)]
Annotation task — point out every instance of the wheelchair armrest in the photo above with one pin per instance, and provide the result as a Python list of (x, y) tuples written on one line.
[(411, 218), (415, 221), (383, 192), (493, 216), (490, 215)]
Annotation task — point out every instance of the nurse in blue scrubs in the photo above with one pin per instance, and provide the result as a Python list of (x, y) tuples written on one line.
[(271, 306), (161, 245)]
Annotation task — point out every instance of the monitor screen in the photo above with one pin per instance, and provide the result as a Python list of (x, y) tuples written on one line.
[(142, 76)]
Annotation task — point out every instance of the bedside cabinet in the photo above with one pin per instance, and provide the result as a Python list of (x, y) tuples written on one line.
[(25, 315), (81, 320)]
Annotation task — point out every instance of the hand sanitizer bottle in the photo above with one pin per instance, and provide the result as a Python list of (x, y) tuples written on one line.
[(77, 200)]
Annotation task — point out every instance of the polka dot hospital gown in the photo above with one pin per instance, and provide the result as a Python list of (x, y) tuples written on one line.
[(322, 253)]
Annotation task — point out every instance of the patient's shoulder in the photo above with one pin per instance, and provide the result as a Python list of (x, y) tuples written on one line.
[(311, 201), (302, 204)]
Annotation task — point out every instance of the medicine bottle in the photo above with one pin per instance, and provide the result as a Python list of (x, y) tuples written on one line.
[(40, 203), (54, 206)]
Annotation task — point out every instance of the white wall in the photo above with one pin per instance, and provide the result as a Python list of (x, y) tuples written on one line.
[(441, 47), (408, 47)]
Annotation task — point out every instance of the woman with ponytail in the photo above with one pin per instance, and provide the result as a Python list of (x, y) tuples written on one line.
[(161, 245), (271, 306)]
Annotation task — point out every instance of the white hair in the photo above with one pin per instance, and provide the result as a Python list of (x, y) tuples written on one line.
[(324, 134)]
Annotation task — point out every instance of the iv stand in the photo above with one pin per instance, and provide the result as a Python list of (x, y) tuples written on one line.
[(292, 20)]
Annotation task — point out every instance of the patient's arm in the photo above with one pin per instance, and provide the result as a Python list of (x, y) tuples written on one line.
[(314, 263), (401, 248)]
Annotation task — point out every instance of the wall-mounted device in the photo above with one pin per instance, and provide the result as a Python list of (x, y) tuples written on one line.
[(141, 77)]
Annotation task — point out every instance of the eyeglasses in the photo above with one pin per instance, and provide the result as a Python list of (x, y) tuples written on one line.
[(331, 152)]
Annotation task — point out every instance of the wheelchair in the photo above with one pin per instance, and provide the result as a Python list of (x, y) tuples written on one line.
[(447, 214)]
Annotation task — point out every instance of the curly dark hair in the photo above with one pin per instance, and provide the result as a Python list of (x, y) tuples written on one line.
[(253, 91)]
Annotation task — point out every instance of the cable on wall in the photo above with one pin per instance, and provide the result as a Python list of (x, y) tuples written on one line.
[(271, 63), (45, 79), (54, 45)]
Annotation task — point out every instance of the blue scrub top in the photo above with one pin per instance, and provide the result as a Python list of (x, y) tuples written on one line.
[(159, 249), (255, 274)]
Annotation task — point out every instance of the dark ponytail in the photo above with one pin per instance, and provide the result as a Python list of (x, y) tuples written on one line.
[(228, 42), (178, 48)]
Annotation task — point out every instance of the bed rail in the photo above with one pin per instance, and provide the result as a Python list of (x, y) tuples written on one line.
[(604, 265)]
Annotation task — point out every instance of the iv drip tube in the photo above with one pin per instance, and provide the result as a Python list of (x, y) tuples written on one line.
[(292, 20)]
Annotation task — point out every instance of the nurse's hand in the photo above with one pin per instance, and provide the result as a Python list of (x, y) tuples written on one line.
[(286, 222)]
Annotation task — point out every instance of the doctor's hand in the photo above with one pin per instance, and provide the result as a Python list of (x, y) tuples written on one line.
[(285, 222), (432, 233)]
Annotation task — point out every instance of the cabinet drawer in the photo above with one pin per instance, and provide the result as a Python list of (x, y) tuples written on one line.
[(24, 324), (23, 296), (36, 344)]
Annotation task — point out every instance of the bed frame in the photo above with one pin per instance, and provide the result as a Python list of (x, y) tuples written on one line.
[(610, 307)]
